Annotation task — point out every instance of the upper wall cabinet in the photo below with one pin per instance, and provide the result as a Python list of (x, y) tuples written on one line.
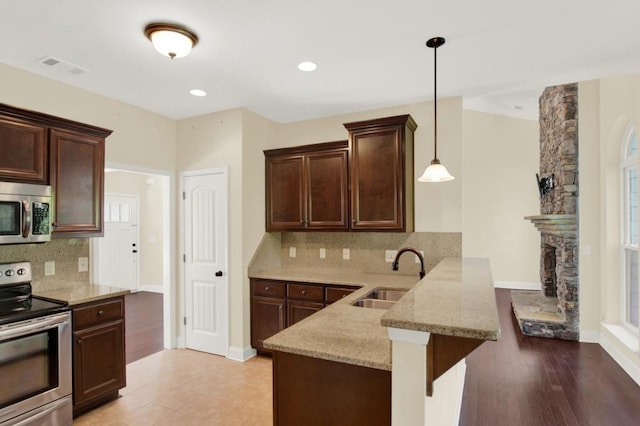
[(69, 156), (23, 151), (381, 167), (307, 187)]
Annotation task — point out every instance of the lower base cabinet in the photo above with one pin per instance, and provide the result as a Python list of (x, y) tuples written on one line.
[(276, 305), (99, 368)]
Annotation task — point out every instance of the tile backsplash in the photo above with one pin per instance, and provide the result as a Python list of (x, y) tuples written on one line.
[(65, 254), (366, 250)]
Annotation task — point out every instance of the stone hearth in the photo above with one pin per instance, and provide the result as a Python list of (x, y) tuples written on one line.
[(554, 311)]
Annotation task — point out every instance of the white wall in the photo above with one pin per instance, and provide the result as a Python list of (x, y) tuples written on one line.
[(500, 157)]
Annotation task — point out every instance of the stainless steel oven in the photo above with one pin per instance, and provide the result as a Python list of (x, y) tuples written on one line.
[(25, 213), (35, 355)]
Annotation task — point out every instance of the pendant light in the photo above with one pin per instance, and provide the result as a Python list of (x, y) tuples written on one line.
[(436, 172)]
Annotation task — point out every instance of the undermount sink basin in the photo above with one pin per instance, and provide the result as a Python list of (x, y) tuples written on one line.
[(392, 294), (380, 298), (374, 303)]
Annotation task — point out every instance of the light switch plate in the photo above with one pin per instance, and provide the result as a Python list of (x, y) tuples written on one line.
[(292, 252), (323, 253), (346, 254), (83, 264), (390, 255), (50, 267)]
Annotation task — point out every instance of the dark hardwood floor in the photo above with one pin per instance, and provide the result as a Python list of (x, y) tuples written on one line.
[(522, 380), (143, 322)]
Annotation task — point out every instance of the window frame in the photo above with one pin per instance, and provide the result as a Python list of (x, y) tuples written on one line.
[(628, 163)]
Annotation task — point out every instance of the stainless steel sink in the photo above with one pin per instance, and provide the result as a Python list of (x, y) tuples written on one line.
[(374, 303), (393, 294), (380, 298)]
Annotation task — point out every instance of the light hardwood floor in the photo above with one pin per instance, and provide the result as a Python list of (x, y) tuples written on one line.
[(185, 387)]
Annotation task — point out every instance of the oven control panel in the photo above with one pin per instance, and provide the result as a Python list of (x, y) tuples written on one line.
[(15, 273)]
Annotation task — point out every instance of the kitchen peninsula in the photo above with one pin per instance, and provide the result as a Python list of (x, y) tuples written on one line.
[(335, 367)]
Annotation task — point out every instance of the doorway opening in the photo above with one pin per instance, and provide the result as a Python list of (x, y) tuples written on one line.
[(152, 253)]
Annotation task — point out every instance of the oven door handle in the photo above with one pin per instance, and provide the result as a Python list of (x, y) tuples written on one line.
[(45, 411), (40, 324), (26, 216)]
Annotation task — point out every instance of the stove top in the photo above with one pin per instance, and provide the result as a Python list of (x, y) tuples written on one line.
[(16, 301)]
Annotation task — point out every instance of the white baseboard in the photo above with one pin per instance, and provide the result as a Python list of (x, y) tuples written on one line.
[(153, 288), (613, 341), (517, 285), (589, 336), (241, 354)]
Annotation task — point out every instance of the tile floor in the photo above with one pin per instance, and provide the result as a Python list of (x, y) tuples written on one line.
[(185, 387)]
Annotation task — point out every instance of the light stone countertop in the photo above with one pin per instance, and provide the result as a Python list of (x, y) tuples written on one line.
[(354, 335), (456, 298), (82, 293)]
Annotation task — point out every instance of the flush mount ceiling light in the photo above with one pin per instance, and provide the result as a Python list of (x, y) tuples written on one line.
[(307, 66), (171, 40), (436, 172), (198, 92)]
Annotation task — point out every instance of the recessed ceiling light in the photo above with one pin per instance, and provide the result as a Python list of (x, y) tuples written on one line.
[(198, 92), (307, 66)]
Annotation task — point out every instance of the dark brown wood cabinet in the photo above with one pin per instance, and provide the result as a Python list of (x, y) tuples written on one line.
[(276, 305), (381, 169), (77, 182), (68, 155), (307, 187), (98, 352), (23, 151)]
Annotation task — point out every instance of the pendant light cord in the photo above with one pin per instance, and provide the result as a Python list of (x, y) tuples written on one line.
[(435, 103)]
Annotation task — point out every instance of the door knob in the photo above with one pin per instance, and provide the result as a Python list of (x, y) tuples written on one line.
[(219, 274)]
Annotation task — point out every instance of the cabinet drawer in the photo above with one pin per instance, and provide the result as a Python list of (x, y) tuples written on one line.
[(306, 292), (268, 288), (333, 294), (99, 312)]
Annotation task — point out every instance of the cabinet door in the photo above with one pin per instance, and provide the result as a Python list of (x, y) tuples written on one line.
[(382, 173), (77, 181), (23, 152), (285, 193), (267, 318), (377, 179), (326, 175), (98, 361), (297, 310)]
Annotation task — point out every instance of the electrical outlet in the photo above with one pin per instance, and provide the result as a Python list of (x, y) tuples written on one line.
[(292, 252), (323, 253), (83, 264), (390, 255), (417, 258), (50, 267), (586, 250), (346, 254)]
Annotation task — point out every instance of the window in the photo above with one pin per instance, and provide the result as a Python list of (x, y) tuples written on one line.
[(629, 167)]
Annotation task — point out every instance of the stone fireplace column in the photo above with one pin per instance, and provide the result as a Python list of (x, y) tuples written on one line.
[(554, 311)]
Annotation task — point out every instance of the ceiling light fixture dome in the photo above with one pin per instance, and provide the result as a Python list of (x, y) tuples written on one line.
[(436, 172), (171, 40)]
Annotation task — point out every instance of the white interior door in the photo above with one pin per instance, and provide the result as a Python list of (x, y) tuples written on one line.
[(118, 249), (206, 283)]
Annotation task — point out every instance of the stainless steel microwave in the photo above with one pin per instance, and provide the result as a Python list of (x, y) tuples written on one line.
[(25, 213)]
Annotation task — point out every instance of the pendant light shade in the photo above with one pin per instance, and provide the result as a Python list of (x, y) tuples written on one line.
[(171, 40), (436, 172)]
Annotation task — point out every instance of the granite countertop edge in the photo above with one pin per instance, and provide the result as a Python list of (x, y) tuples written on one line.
[(81, 294)]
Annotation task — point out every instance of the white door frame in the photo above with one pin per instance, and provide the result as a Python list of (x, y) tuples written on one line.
[(182, 270), (170, 313)]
